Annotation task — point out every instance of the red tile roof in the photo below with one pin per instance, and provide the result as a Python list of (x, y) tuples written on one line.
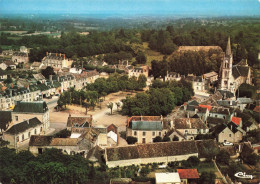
[(188, 173), (205, 106), (236, 120)]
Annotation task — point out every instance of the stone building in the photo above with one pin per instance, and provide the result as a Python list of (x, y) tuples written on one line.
[(56, 60), (20, 57), (188, 175), (79, 122), (172, 76), (228, 132), (137, 71), (232, 76), (27, 110), (69, 146), (80, 145), (189, 127), (162, 152), (150, 153), (145, 128), (22, 131)]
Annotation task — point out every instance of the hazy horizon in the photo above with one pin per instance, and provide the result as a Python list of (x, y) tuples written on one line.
[(106, 8)]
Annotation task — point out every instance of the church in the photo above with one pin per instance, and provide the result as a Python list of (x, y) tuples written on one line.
[(232, 76)]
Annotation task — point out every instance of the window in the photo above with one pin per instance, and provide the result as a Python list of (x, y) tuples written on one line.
[(35, 131), (216, 116), (160, 133), (229, 135), (144, 133), (153, 133), (22, 137), (41, 129), (16, 118), (29, 134), (17, 139), (135, 133), (143, 140), (204, 131), (224, 117)]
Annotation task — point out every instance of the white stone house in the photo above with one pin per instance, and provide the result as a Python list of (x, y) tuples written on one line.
[(27, 110), (22, 131)]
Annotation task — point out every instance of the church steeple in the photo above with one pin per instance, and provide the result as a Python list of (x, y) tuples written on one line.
[(228, 49)]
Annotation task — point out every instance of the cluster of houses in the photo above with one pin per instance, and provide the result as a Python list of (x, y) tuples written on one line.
[(37, 87), (217, 117)]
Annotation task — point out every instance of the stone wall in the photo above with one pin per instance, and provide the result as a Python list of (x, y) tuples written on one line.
[(122, 163)]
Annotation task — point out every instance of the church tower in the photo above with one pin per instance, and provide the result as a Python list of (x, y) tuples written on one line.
[(226, 69)]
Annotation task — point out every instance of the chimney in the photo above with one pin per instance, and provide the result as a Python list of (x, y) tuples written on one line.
[(60, 54), (171, 122), (133, 67), (56, 54), (46, 53), (188, 115), (28, 121), (50, 77), (90, 124), (167, 73), (126, 62), (64, 56), (239, 148)]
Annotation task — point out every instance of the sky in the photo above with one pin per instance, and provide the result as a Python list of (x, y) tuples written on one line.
[(132, 7)]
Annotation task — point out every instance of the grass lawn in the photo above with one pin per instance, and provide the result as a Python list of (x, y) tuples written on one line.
[(151, 54), (206, 167)]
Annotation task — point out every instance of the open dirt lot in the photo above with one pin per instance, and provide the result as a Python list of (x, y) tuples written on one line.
[(100, 116)]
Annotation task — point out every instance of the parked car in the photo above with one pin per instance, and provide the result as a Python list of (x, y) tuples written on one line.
[(228, 144)]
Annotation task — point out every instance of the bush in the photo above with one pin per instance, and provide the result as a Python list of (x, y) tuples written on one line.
[(175, 138), (157, 139), (223, 157), (131, 140), (207, 178), (166, 139), (63, 134), (193, 161), (252, 159)]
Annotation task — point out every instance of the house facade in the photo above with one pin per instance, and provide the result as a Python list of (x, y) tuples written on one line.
[(228, 133), (27, 110), (56, 60), (190, 127), (69, 146), (20, 57), (145, 128), (137, 71), (22, 131)]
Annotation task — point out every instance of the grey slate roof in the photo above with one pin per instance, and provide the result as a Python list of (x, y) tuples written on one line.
[(146, 125), (215, 121), (31, 107), (226, 94), (238, 71), (245, 100), (23, 126), (227, 103), (193, 102)]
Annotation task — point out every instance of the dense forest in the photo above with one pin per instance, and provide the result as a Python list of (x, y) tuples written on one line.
[(51, 167), (127, 43)]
